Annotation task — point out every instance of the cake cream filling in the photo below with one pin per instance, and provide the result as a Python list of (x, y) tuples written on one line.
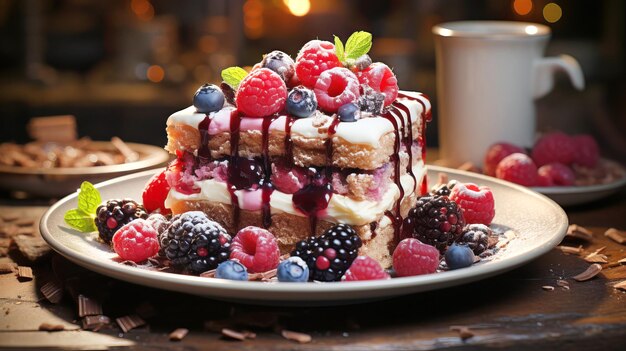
[(365, 131), (341, 209)]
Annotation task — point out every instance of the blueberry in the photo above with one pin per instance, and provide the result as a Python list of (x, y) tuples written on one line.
[(301, 102), (349, 112), (459, 256), (280, 63), (293, 269), (208, 98), (232, 270)]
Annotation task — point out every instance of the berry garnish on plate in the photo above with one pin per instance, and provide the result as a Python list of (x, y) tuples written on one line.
[(459, 256), (82, 217), (256, 248), (136, 241), (518, 168), (115, 213), (330, 254), (208, 98), (365, 268), (293, 269), (435, 220), (476, 202), (556, 174), (232, 270), (155, 192), (554, 147), (476, 237), (412, 257), (496, 153), (587, 151)]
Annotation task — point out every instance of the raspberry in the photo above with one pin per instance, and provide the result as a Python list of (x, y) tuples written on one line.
[(558, 174), (544, 180), (412, 257), (255, 248), (435, 220), (587, 152), (288, 179), (496, 153), (476, 202), (261, 93), (554, 147), (155, 193), (518, 168), (315, 57), (335, 88), (365, 268), (380, 78), (136, 241)]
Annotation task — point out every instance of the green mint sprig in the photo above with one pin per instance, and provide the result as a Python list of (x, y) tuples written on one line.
[(357, 45), (233, 76), (81, 218)]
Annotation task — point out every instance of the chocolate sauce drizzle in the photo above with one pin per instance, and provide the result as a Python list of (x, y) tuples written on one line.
[(266, 187), (235, 124)]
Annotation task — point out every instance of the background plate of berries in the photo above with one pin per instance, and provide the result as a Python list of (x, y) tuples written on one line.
[(469, 227), (566, 168)]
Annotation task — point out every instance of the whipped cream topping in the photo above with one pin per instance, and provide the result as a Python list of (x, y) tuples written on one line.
[(341, 209), (365, 131)]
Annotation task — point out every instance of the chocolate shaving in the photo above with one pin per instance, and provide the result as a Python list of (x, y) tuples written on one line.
[(233, 334), (178, 334), (623, 260), (130, 322), (562, 283), (248, 334), (597, 257), (9, 217), (616, 235), (548, 287), (578, 232), (208, 274), (52, 291), (469, 166), (464, 332), (24, 273), (95, 323), (8, 267), (621, 285), (88, 306), (129, 263), (33, 248), (296, 336), (263, 275), (570, 250), (24, 222), (589, 273), (120, 145), (51, 327)]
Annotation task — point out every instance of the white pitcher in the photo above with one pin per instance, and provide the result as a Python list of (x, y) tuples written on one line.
[(488, 74)]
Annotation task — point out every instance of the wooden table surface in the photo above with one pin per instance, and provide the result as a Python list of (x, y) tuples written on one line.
[(511, 310)]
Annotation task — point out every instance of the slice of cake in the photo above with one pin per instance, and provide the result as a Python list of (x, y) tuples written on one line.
[(298, 147)]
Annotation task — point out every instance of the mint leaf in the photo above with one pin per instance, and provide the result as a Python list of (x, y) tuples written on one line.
[(80, 220), (88, 198), (358, 45), (341, 55), (233, 76)]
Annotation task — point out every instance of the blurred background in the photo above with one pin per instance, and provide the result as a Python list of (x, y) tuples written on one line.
[(123, 66)]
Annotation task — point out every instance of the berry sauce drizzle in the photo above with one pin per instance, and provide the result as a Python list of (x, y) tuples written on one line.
[(204, 153), (407, 138), (396, 218), (314, 197), (235, 123), (267, 189), (288, 142)]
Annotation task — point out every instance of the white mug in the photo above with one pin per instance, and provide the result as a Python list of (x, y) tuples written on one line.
[(488, 74)]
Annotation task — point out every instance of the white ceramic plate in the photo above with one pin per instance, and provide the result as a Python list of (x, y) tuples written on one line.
[(578, 195), (539, 223)]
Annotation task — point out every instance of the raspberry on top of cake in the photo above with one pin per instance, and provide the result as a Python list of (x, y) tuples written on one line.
[(297, 146)]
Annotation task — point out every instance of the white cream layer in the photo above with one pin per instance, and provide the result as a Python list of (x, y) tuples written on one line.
[(365, 131), (341, 209)]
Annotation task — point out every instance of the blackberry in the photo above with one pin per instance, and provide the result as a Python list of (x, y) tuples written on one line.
[(329, 255), (476, 236), (435, 220), (443, 189), (371, 100), (113, 214), (195, 242)]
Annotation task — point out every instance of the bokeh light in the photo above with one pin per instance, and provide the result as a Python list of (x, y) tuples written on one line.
[(298, 7), (552, 12), (155, 73), (522, 7), (143, 9), (253, 19)]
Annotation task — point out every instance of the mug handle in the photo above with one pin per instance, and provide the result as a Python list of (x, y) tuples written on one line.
[(545, 67)]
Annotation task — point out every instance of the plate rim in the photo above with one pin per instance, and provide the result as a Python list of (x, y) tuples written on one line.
[(315, 292)]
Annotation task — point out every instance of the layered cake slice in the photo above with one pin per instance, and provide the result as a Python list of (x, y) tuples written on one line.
[(296, 147)]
